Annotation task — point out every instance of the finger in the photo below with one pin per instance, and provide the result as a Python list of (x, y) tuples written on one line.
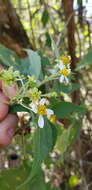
[(9, 90), (3, 106), (7, 129), (0, 84), (1, 67)]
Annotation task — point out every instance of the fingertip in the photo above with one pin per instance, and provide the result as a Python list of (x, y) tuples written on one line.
[(4, 108), (7, 129), (1, 68), (9, 90)]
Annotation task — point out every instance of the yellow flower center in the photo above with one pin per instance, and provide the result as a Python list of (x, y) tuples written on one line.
[(64, 72), (41, 109), (52, 118), (66, 60)]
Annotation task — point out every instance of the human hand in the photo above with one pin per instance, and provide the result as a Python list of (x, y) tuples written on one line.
[(8, 122)]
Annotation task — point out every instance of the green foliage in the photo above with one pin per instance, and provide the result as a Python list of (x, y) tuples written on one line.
[(69, 88), (15, 177), (44, 22), (7, 56), (68, 137), (79, 1), (39, 183), (45, 17), (10, 179), (48, 40), (34, 64), (87, 60), (18, 108), (43, 142), (44, 137), (31, 65), (64, 109)]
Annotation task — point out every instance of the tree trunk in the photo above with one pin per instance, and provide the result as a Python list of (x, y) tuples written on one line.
[(69, 18), (80, 14), (12, 33)]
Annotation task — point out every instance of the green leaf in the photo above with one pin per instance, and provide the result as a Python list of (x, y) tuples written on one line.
[(66, 88), (7, 56), (39, 183), (69, 137), (45, 61), (18, 108), (63, 109), (34, 63), (48, 40), (79, 1), (51, 188), (31, 65), (86, 60), (43, 143), (10, 179), (45, 17)]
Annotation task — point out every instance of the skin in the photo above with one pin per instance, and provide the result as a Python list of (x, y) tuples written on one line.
[(8, 122)]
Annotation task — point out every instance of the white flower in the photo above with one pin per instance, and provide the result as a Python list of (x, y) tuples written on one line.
[(64, 72), (60, 65), (41, 109), (64, 75), (63, 69)]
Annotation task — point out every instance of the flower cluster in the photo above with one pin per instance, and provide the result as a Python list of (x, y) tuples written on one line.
[(28, 87), (34, 94), (9, 76), (64, 68)]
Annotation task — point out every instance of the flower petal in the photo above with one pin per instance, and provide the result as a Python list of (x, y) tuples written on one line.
[(42, 101), (49, 112), (66, 80), (61, 79), (41, 121), (34, 108), (60, 65)]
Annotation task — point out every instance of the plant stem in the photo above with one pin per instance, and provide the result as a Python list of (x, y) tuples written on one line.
[(52, 77)]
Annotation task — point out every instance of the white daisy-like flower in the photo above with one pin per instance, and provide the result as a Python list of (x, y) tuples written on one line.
[(64, 70), (64, 73), (41, 109)]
